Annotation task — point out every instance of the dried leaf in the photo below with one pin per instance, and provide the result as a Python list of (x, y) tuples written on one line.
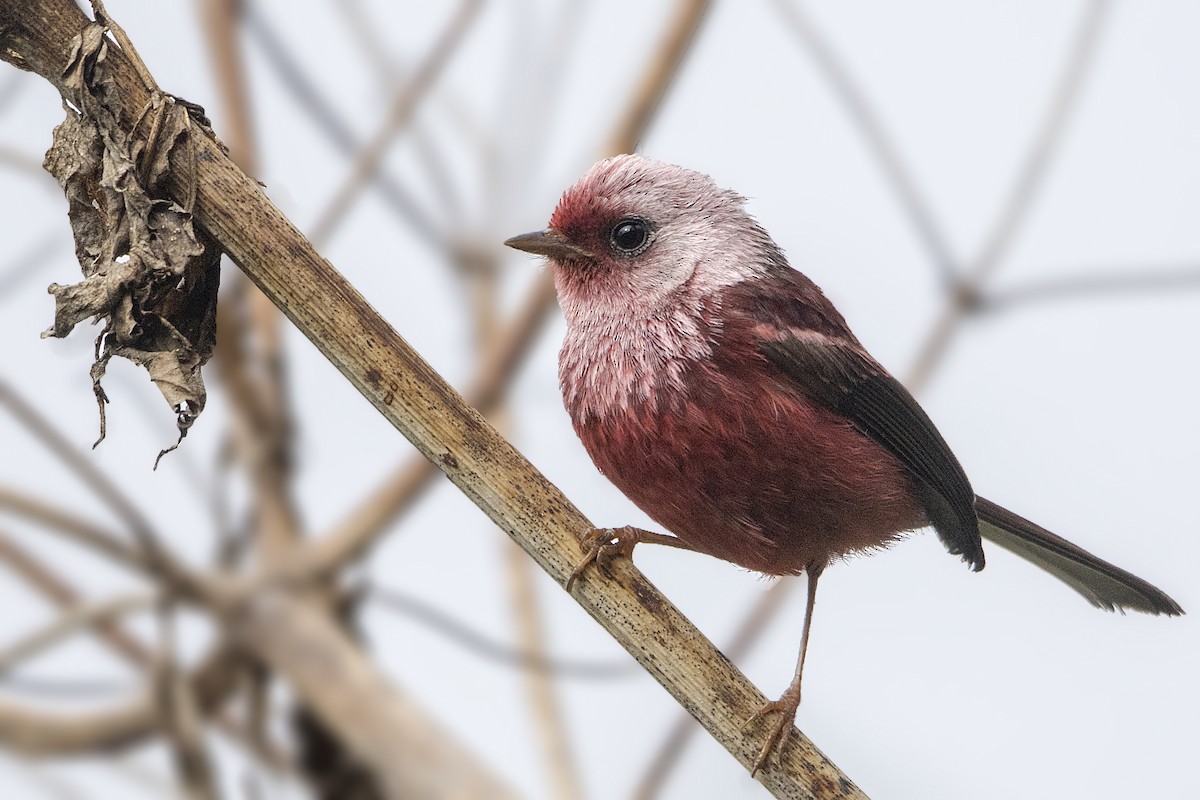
[(150, 276)]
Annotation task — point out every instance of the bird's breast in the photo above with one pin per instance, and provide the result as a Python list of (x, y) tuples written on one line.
[(616, 359), (717, 451)]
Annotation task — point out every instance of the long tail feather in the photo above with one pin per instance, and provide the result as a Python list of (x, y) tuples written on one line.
[(1101, 583)]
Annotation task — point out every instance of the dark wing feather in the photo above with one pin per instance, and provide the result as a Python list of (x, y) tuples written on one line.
[(841, 375), (801, 332)]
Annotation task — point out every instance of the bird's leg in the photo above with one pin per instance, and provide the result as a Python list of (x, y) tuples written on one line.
[(784, 709), (605, 544)]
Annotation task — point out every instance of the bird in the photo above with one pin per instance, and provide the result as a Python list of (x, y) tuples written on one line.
[(723, 393)]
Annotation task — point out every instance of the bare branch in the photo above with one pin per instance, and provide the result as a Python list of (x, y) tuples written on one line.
[(65, 597), (181, 715), (405, 103), (92, 477), (1014, 211), (309, 99), (869, 124), (65, 524), (1099, 284), (43, 732), (493, 650), (301, 644), (409, 752), (507, 350), (80, 617)]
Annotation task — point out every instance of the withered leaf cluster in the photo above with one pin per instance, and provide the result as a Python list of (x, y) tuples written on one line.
[(150, 275)]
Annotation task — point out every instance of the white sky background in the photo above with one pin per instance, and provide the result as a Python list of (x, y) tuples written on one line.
[(923, 681)]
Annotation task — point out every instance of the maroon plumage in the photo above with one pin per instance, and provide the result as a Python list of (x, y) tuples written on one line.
[(741, 464), (724, 394)]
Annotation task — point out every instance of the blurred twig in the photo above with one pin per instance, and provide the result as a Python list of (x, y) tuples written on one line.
[(110, 632), (369, 45), (529, 100), (1017, 205), (291, 74), (370, 519), (77, 618), (181, 716), (39, 731), (65, 597), (12, 85), (399, 115), (554, 740), (24, 267), (306, 648), (406, 750), (751, 627), (252, 358), (148, 539), (1101, 284), (497, 651), (82, 531), (67, 688), (867, 121), (22, 162)]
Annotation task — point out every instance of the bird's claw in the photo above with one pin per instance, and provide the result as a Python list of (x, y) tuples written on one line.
[(784, 709), (603, 545)]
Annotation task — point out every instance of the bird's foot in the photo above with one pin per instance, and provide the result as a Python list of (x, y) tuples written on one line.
[(784, 711), (605, 544)]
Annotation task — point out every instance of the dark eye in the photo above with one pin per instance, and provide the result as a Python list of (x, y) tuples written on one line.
[(630, 235)]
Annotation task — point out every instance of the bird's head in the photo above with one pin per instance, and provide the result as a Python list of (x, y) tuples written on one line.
[(640, 229)]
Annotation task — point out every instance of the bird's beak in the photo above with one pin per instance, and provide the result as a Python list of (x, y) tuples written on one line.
[(549, 243)]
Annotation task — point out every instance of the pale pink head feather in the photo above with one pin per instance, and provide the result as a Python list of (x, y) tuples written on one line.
[(635, 322)]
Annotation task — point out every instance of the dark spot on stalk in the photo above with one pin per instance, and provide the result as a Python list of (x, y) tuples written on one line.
[(647, 597)]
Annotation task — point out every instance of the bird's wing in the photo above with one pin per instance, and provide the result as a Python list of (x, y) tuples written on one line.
[(838, 373)]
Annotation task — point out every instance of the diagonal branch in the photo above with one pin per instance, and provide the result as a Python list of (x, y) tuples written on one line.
[(79, 530), (66, 598), (399, 116), (418, 402), (310, 100), (72, 621), (509, 347), (148, 539), (1029, 180), (870, 126), (494, 650), (38, 731)]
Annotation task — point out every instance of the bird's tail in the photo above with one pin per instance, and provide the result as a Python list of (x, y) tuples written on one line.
[(1101, 583)]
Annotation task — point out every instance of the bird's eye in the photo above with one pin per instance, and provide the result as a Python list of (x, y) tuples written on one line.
[(630, 236)]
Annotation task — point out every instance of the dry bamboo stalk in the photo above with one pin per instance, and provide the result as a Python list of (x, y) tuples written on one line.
[(329, 311)]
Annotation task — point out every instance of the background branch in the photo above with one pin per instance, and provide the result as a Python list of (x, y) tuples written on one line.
[(421, 405)]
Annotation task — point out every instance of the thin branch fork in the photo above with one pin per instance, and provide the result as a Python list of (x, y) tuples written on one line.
[(418, 402)]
